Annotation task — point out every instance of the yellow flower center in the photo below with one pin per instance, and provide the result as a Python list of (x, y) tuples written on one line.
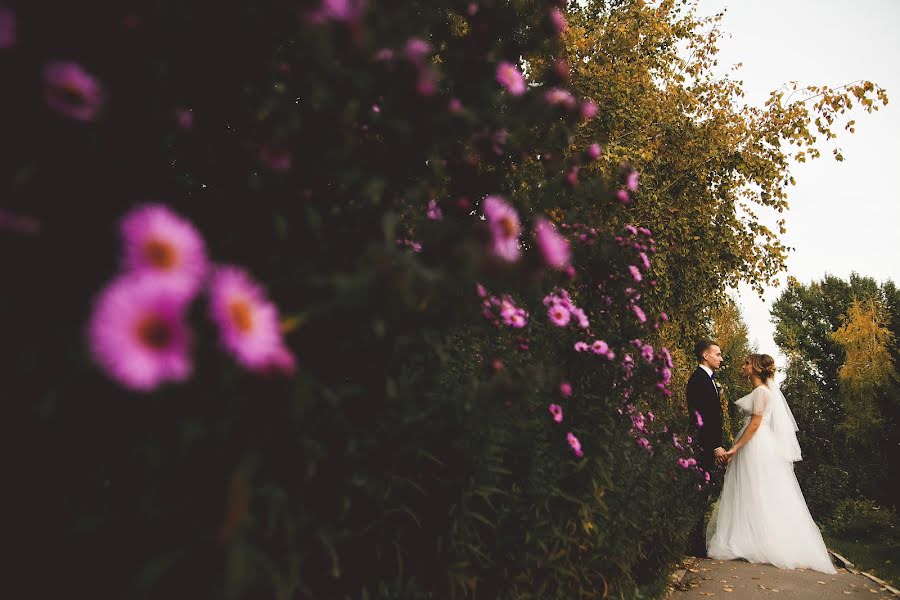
[(154, 332), (510, 228), (241, 315), (161, 254)]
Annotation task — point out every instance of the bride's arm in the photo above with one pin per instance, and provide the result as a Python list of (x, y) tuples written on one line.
[(748, 434)]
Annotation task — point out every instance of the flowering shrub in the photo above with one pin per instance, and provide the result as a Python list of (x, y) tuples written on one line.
[(333, 417)]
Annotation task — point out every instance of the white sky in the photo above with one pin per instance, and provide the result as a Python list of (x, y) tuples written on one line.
[(843, 217)]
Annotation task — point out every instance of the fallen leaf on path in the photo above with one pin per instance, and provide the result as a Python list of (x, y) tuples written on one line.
[(821, 582)]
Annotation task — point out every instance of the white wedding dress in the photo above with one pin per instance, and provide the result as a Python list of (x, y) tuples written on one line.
[(761, 515)]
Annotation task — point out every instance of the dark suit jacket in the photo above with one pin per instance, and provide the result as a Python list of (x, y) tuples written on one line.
[(703, 397)]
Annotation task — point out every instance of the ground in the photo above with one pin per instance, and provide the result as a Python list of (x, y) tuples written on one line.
[(738, 580)]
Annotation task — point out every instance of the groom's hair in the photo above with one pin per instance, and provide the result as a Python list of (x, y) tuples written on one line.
[(702, 346)]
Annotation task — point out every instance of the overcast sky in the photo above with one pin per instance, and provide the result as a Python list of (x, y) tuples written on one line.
[(843, 217)]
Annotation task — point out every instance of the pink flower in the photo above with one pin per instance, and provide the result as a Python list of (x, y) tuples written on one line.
[(623, 196), (434, 211), (482, 292), (275, 158), (558, 20), (416, 50), (639, 313), (557, 412), (589, 110), (7, 28), (599, 347), (635, 272), (581, 317), (645, 444), (159, 241), (565, 389), (344, 11), (631, 182), (554, 247), (646, 262), (683, 463), (698, 418), (581, 347), (516, 319), (72, 91), (505, 228), (455, 106), (560, 97), (559, 315), (706, 476), (575, 444), (594, 151), (184, 117), (248, 322), (137, 332), (509, 76)]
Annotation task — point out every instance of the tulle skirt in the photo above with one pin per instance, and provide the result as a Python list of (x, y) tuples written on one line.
[(761, 515)]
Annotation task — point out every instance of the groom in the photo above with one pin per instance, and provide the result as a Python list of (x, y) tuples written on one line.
[(705, 412)]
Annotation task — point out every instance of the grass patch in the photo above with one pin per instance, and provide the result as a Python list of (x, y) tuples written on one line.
[(868, 554)]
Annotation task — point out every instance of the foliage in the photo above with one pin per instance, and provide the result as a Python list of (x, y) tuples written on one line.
[(864, 518), (824, 489), (733, 339), (838, 335)]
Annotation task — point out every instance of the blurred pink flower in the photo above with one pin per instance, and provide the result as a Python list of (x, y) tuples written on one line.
[(599, 347), (581, 317), (557, 412), (639, 313), (698, 418), (593, 151), (558, 20), (635, 273), (560, 97), (581, 347), (553, 246), (184, 117), (559, 316), (646, 262), (137, 332), (248, 322), (505, 228), (631, 182), (589, 110), (482, 292), (344, 11), (157, 240), (275, 157), (623, 196), (516, 319), (434, 211), (575, 444), (72, 91), (7, 28), (565, 389), (683, 463), (645, 444), (511, 78), (416, 51)]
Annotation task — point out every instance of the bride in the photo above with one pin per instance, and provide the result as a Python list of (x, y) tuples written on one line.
[(761, 515)]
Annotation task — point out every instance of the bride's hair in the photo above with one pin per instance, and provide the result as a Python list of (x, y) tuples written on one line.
[(763, 366)]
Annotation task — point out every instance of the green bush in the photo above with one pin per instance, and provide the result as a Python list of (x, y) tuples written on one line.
[(824, 487), (863, 518)]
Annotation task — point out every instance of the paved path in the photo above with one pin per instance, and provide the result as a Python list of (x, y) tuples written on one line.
[(739, 580)]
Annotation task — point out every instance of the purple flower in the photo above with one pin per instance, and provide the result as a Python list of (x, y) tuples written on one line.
[(559, 315), (589, 110), (505, 228), (631, 182), (557, 412), (416, 51), (248, 322), (275, 158), (72, 91), (599, 347), (698, 418), (575, 444), (623, 196), (511, 78), (558, 20), (344, 11), (560, 97), (554, 247), (184, 117), (434, 211), (639, 313), (159, 241), (565, 389), (137, 332), (594, 151), (7, 28), (581, 347), (635, 273)]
